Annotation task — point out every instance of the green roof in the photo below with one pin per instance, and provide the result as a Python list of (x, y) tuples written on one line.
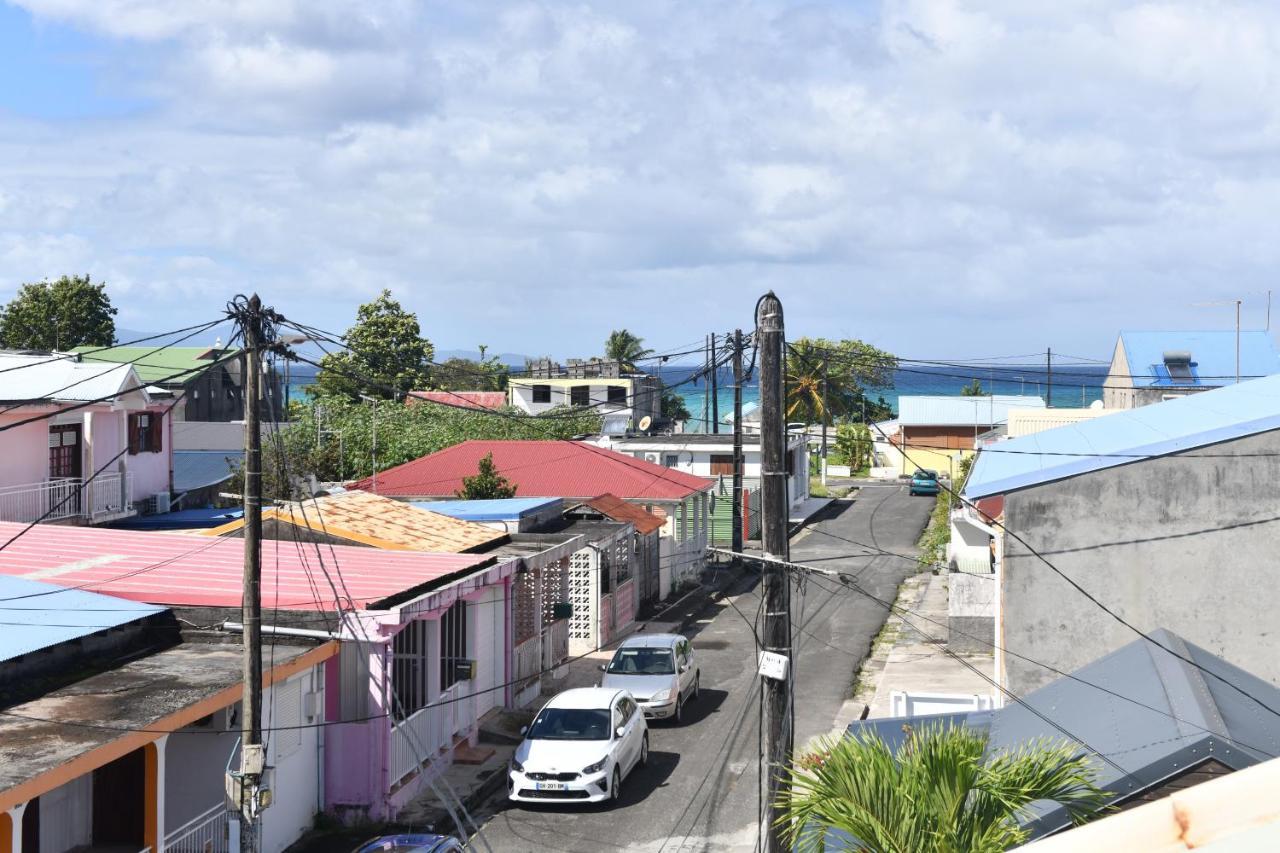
[(152, 365)]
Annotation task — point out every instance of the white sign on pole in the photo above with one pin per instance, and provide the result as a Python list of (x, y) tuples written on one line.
[(773, 665)]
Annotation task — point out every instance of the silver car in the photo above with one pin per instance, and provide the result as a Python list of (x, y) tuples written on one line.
[(658, 670)]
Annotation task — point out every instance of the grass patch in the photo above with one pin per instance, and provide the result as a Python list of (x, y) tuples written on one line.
[(937, 533)]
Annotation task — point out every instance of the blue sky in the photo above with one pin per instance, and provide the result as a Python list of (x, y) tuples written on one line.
[(943, 179)]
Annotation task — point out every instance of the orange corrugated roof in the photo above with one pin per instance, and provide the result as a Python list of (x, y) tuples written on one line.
[(614, 507), (380, 522)]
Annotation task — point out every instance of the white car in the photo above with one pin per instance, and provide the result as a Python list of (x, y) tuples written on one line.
[(580, 748), (658, 670)]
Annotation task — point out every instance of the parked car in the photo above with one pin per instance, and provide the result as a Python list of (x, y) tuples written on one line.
[(411, 844), (658, 670), (580, 748), (924, 482)]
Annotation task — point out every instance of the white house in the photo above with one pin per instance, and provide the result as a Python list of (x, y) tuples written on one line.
[(624, 399)]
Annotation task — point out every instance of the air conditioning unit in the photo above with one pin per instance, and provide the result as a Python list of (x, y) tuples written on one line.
[(154, 504), (655, 458)]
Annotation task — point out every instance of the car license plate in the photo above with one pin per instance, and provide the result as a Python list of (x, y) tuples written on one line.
[(550, 786)]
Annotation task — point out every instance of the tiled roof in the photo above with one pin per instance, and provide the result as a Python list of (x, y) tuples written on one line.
[(195, 570), (614, 507), (373, 520), (466, 399), (569, 469)]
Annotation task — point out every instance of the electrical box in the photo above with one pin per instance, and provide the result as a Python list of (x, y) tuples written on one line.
[(562, 610), (465, 670)]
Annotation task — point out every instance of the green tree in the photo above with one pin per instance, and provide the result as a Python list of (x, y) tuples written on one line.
[(853, 445), (973, 389), (59, 315), (386, 354), (463, 374), (487, 484), (937, 794), (673, 407), (626, 349), (849, 368)]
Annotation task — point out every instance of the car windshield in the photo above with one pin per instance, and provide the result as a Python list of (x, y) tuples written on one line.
[(642, 662), (570, 724), (926, 475)]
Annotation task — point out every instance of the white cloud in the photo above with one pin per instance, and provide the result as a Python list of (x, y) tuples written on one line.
[(502, 167)]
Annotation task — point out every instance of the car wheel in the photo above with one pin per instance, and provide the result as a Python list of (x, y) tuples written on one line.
[(644, 752), (615, 786), (677, 716), (696, 679)]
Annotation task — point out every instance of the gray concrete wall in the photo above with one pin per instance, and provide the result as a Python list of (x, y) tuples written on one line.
[(971, 612), (1183, 542)]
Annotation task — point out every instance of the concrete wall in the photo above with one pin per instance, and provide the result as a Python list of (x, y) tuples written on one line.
[(1183, 542), (26, 456), (971, 612)]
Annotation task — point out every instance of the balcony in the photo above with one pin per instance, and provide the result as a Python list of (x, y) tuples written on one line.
[(106, 498)]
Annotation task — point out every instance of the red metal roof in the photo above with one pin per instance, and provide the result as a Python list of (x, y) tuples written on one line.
[(563, 469), (614, 507), (466, 399), (185, 569)]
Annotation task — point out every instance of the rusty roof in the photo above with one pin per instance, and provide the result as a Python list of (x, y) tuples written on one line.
[(368, 519), (614, 507), (462, 399)]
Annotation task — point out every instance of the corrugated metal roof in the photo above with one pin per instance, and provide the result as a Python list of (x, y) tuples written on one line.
[(379, 522), (948, 410), (614, 507), (1146, 742), (38, 615), (497, 509), (1213, 357), (154, 364), (570, 469), (466, 399), (199, 469), (48, 377), (1196, 420), (201, 571)]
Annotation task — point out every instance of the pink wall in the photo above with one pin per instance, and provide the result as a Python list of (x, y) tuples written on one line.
[(24, 457), (150, 470)]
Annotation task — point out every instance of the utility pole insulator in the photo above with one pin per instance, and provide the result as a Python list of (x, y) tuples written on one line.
[(778, 724)]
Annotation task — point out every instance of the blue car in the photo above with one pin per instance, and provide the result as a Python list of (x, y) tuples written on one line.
[(417, 843), (924, 482)]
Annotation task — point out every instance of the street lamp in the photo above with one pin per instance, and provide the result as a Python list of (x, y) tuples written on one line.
[(374, 477)]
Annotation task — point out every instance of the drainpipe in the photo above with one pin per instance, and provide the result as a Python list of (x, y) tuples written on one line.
[(237, 628)]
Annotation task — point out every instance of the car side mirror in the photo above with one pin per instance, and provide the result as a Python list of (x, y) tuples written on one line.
[(684, 667), (524, 730), (620, 731), (602, 667)]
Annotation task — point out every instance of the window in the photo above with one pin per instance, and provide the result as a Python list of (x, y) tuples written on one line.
[(671, 460), (288, 718), (570, 724), (626, 709), (618, 395), (542, 393), (454, 666), (145, 433), (409, 669), (642, 661), (580, 395), (721, 463)]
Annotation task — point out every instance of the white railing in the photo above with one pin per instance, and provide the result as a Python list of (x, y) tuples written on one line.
[(205, 833), (555, 645), (426, 733), (107, 495)]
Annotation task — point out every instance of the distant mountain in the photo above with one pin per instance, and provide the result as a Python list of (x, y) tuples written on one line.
[(511, 359)]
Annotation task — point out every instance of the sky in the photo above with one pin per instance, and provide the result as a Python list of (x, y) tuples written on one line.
[(941, 179)]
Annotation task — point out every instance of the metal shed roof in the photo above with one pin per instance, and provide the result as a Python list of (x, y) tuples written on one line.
[(1213, 357), (39, 615), (1160, 429), (948, 410), (54, 378), (199, 469), (496, 509), (1172, 717)]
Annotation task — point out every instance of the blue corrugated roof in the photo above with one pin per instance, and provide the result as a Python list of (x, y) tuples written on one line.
[(185, 519), (500, 509), (1213, 357), (198, 469), (1196, 420), (39, 615)]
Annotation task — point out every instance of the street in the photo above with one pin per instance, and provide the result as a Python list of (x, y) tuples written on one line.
[(699, 791)]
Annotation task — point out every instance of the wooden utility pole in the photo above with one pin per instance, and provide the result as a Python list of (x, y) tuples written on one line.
[(823, 460), (715, 388), (776, 637), (252, 756), (1048, 378), (737, 443)]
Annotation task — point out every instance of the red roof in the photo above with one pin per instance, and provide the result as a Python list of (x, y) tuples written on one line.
[(543, 469), (466, 399), (614, 507), (191, 570)]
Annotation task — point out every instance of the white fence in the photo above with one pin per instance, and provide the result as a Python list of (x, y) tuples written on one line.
[(555, 646), (426, 733), (107, 495), (206, 833), (527, 660)]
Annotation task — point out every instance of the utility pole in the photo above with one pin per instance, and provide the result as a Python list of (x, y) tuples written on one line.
[(776, 637), (252, 754), (823, 460), (1048, 379), (1238, 301), (715, 389), (706, 396), (737, 443)]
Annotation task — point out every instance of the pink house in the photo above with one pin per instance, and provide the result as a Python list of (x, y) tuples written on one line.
[(61, 420)]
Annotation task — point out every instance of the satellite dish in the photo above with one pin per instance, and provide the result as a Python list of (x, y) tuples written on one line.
[(645, 423)]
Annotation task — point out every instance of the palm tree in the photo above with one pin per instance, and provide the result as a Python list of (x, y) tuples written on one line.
[(973, 389), (937, 794), (847, 368), (626, 349)]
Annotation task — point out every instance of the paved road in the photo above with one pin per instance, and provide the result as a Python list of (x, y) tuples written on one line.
[(699, 792)]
